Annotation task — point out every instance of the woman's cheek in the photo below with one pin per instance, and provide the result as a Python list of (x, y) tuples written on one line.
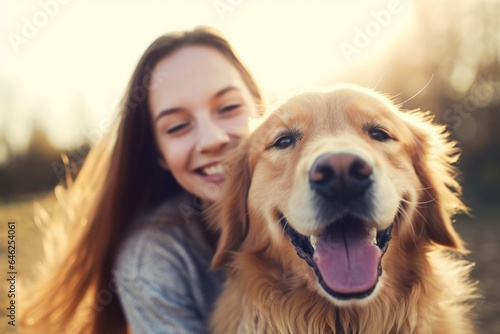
[(239, 125), (178, 148)]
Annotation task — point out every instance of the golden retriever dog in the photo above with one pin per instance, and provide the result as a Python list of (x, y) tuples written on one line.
[(337, 219)]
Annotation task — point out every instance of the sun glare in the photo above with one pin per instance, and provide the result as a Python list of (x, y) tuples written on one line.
[(69, 62)]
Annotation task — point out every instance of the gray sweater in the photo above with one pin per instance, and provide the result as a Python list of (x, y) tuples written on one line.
[(162, 271)]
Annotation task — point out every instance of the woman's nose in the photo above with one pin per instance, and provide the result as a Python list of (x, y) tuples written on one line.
[(212, 138)]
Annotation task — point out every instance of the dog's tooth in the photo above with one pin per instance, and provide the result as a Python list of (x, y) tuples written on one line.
[(373, 233), (313, 240)]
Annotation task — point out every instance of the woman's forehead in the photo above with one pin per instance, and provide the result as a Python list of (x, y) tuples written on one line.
[(193, 64), (191, 75)]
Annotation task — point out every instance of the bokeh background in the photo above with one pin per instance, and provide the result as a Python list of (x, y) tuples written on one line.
[(64, 66)]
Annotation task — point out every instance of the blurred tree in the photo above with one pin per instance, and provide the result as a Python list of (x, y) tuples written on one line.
[(38, 169), (31, 170)]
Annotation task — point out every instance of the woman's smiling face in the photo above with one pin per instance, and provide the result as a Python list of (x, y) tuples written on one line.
[(200, 108)]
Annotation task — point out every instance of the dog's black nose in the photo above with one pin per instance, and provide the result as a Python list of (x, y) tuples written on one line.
[(340, 176)]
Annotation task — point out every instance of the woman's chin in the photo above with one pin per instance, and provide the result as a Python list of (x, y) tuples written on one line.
[(210, 188)]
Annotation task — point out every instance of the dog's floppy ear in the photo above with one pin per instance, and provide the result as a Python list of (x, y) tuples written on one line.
[(433, 156), (230, 214)]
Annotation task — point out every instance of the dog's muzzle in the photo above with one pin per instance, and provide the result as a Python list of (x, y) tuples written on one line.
[(346, 256)]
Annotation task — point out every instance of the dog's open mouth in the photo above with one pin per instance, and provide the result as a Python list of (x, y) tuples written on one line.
[(346, 257)]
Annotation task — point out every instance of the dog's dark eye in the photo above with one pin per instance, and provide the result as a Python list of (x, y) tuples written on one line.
[(286, 138), (379, 135), (284, 142)]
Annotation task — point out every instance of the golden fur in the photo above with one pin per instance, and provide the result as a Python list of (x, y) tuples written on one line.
[(424, 287)]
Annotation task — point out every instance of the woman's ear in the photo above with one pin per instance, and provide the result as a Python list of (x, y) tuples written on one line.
[(433, 156), (162, 162), (229, 214)]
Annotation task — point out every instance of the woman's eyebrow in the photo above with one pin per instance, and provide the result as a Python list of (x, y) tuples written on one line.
[(224, 91), (167, 112)]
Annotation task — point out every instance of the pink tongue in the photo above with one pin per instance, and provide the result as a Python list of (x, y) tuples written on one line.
[(347, 257)]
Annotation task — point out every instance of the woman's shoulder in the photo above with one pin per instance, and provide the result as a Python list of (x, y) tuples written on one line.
[(170, 237)]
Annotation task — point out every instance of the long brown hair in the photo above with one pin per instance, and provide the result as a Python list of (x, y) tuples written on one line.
[(123, 174)]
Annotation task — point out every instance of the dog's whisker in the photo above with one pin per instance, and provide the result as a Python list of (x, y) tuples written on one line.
[(374, 88), (425, 221), (417, 203), (423, 188), (246, 214), (407, 218), (420, 91), (286, 221)]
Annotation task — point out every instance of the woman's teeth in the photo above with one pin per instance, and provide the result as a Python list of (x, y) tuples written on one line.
[(213, 170)]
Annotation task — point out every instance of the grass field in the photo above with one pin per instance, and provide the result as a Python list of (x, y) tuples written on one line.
[(29, 251), (482, 238)]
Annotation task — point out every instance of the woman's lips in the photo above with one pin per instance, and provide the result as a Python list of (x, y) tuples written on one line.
[(216, 178)]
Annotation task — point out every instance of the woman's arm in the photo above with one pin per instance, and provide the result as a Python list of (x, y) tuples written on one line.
[(152, 308)]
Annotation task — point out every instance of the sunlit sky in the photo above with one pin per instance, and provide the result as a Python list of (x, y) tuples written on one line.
[(67, 75)]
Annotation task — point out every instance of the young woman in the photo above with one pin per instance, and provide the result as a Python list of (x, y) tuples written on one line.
[(140, 252)]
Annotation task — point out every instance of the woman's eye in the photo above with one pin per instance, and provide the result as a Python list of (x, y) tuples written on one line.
[(379, 135), (230, 107), (284, 142), (177, 128)]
